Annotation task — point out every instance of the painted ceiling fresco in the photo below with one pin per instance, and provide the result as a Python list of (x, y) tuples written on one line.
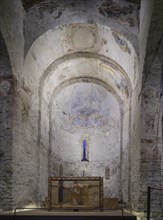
[(88, 106)]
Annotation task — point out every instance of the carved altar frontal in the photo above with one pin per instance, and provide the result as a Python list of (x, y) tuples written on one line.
[(75, 192)]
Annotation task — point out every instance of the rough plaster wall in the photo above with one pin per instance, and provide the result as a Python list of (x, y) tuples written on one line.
[(25, 150), (88, 111), (134, 132), (135, 149), (43, 152), (151, 142), (134, 137), (24, 127), (24, 145), (6, 100), (151, 133), (126, 155), (11, 25), (121, 15), (145, 17)]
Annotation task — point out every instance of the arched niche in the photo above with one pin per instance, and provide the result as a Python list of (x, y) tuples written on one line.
[(62, 42), (103, 61), (87, 110), (84, 70)]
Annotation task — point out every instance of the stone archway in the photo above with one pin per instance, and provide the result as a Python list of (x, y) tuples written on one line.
[(85, 76), (67, 62), (86, 109)]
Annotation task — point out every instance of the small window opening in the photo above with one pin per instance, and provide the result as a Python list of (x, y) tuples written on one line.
[(85, 151)]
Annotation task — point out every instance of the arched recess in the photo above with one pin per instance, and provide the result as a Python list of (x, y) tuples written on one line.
[(62, 42), (90, 70), (98, 122), (108, 57), (90, 12)]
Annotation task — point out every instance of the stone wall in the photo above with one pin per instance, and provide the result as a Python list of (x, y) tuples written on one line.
[(75, 53), (6, 113), (24, 143), (146, 9), (151, 131), (11, 26), (151, 139), (25, 149)]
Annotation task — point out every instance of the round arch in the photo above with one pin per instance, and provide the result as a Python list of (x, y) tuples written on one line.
[(61, 54)]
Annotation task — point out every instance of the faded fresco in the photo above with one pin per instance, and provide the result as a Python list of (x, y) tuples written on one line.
[(77, 193), (86, 106)]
